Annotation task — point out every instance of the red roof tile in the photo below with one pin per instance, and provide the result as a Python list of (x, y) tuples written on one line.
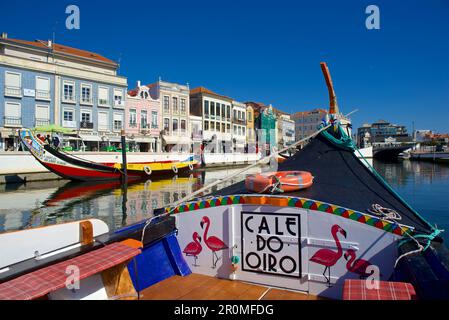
[(59, 48)]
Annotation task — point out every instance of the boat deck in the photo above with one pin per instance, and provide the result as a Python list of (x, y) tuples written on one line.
[(201, 287)]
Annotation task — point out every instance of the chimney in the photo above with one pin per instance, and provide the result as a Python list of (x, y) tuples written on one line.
[(4, 35), (138, 83)]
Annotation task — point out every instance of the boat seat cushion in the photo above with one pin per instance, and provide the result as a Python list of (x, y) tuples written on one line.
[(358, 290), (43, 281)]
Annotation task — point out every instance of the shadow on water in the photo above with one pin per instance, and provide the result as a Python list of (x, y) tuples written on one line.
[(51, 202)]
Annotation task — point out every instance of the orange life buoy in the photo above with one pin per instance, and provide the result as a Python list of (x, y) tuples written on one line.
[(287, 181)]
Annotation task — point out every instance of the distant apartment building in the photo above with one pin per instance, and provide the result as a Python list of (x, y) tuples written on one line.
[(265, 124), (196, 132), (239, 127), (306, 122), (143, 119), (215, 110), (175, 106), (250, 131), (286, 128), (382, 132), (47, 83)]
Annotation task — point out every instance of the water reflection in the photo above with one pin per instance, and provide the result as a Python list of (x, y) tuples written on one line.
[(46, 203), (424, 185)]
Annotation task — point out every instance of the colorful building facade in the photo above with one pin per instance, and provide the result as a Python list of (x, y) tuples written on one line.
[(47, 83), (143, 119)]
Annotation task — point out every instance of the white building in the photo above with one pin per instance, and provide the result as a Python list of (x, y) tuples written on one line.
[(238, 126)]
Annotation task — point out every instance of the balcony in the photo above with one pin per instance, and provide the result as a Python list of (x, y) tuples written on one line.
[(13, 121), (103, 102), (133, 124), (41, 122), (43, 94), (69, 98), (86, 125), (13, 91), (86, 100)]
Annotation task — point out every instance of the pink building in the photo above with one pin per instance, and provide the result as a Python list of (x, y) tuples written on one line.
[(143, 119)]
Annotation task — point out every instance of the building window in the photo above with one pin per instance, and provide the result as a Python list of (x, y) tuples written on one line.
[(86, 93), (166, 125), (118, 98), (175, 105), (69, 91), (132, 118), (118, 121), (154, 124), (42, 88), (86, 120), (212, 110), (212, 126), (13, 84), (183, 106), (249, 116), (143, 119), (223, 112), (206, 125), (103, 96), (228, 128), (13, 113), (103, 121), (183, 126), (223, 128), (166, 104), (175, 125), (68, 117), (218, 111), (206, 109), (235, 129), (42, 115)]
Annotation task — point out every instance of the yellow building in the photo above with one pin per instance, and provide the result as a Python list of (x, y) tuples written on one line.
[(250, 133)]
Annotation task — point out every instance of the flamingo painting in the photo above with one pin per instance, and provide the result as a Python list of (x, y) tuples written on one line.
[(358, 266), (327, 257), (194, 248), (213, 243)]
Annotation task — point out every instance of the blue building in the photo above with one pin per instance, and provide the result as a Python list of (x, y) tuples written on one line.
[(47, 83)]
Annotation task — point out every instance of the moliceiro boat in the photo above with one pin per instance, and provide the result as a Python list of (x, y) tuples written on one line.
[(348, 232), (74, 168)]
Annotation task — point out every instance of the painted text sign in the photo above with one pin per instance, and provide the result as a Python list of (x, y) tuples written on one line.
[(271, 243)]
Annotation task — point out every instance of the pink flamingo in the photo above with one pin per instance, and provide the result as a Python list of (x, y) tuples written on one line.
[(358, 266), (213, 243), (327, 257), (194, 248)]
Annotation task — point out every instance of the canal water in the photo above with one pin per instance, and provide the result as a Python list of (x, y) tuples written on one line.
[(424, 185)]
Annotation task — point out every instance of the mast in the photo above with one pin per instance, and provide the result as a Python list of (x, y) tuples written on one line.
[(333, 106)]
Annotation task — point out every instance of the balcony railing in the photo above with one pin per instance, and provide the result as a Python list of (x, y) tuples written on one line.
[(13, 91), (119, 103), (69, 98), (42, 122), (87, 100), (86, 125), (43, 94), (133, 124), (13, 121)]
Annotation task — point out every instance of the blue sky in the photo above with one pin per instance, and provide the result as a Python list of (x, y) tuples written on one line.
[(269, 51)]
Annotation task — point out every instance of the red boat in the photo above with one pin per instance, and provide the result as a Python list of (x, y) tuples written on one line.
[(71, 167)]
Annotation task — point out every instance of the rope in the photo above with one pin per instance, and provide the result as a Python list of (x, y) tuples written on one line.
[(384, 213)]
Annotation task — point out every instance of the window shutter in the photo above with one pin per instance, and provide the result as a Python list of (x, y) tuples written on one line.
[(12, 80), (42, 84), (103, 120), (12, 110), (103, 94), (42, 112)]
